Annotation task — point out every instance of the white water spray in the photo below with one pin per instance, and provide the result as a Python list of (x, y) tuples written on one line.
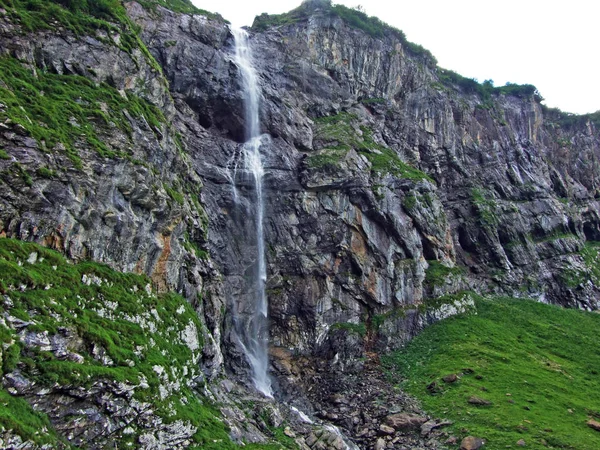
[(256, 331)]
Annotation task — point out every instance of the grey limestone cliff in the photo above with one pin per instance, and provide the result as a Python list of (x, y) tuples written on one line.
[(387, 184)]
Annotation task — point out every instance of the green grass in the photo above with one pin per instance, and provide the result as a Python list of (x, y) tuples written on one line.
[(102, 19), (180, 6), (78, 16), (68, 109), (113, 311), (174, 194), (17, 415), (360, 328), (437, 273), (329, 157), (340, 133), (545, 357), (417, 199)]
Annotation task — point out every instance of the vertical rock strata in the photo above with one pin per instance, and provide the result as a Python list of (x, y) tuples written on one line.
[(386, 185)]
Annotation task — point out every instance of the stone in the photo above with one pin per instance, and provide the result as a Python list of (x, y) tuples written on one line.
[(521, 443), (431, 425), (593, 424), (434, 388), (386, 429), (474, 400), (338, 399), (404, 421), (380, 444), (311, 439), (451, 378), (471, 443)]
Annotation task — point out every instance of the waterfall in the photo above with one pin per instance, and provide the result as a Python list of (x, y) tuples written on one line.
[(255, 333)]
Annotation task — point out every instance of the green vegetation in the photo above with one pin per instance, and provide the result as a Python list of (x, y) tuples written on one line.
[(378, 320), (87, 16), (341, 134), (174, 194), (375, 27), (568, 120), (19, 171), (80, 17), (378, 29), (327, 158), (463, 298), (437, 273), (411, 200), (137, 329), (17, 415), (352, 16), (180, 6), (537, 364), (574, 277), (360, 328), (486, 89), (486, 207), (44, 172), (192, 247), (67, 109)]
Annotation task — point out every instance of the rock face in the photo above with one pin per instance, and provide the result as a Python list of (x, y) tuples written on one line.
[(356, 234), (387, 185)]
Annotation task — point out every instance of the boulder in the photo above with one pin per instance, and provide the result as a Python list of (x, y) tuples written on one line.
[(471, 443), (405, 421)]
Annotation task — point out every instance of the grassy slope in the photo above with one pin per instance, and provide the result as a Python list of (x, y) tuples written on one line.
[(547, 358), (49, 293), (67, 109), (181, 6)]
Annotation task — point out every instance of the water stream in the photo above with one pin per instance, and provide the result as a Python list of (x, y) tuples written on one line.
[(255, 334)]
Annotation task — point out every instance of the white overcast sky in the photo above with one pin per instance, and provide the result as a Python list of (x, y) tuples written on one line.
[(554, 45)]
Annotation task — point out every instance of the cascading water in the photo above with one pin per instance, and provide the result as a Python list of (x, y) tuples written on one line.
[(255, 332)]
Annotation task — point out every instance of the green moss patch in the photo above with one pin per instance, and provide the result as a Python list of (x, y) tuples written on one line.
[(355, 328), (341, 133), (486, 207), (68, 109), (437, 273), (537, 364)]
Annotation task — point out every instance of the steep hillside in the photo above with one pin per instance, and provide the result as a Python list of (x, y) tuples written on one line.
[(390, 185), (533, 367)]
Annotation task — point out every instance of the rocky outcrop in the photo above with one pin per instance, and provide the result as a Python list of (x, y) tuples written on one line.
[(388, 183)]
